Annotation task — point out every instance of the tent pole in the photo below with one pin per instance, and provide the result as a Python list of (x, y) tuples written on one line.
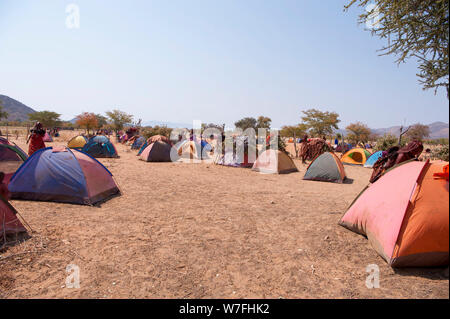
[(295, 145)]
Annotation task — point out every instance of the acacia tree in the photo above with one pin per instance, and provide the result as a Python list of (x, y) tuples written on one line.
[(101, 121), (87, 121), (418, 131), (293, 131), (220, 128), (320, 123), (47, 118), (358, 132), (245, 123), (414, 29), (118, 119), (263, 122)]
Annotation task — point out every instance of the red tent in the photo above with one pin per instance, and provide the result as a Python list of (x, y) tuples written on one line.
[(9, 223), (5, 141)]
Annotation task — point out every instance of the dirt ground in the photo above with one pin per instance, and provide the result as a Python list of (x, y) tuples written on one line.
[(205, 231)]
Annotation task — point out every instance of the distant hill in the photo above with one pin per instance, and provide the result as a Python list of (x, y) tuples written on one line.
[(17, 111), (437, 130), (168, 124)]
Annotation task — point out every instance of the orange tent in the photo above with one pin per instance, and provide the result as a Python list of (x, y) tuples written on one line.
[(405, 215)]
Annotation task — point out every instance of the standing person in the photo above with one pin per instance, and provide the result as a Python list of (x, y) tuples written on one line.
[(36, 138), (303, 149)]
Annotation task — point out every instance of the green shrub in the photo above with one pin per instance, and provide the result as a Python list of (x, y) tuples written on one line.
[(441, 153), (387, 141), (437, 141), (156, 130)]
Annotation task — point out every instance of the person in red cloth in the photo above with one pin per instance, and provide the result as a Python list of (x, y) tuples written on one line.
[(36, 139)]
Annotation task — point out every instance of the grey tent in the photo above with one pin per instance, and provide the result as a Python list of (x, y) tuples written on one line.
[(327, 168)]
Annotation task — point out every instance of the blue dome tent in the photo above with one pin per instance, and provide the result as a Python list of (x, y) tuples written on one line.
[(137, 144), (206, 146), (373, 158), (100, 146), (142, 148), (62, 175)]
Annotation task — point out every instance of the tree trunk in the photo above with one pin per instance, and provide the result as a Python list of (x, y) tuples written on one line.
[(295, 146), (401, 134)]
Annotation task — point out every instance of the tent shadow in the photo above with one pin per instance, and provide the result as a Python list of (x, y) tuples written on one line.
[(432, 273), (348, 181), (14, 240), (99, 204)]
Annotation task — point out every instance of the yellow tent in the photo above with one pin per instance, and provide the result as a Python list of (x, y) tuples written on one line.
[(356, 156), (77, 142)]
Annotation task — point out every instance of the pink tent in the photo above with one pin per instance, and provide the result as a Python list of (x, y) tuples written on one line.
[(405, 215)]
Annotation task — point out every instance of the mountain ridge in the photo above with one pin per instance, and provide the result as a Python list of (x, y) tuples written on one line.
[(18, 111), (438, 129)]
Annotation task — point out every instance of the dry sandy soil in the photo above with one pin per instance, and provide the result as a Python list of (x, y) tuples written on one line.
[(205, 231)]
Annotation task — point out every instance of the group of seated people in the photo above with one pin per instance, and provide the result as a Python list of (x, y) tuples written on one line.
[(396, 155)]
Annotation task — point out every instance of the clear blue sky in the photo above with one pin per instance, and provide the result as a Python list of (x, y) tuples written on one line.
[(210, 60)]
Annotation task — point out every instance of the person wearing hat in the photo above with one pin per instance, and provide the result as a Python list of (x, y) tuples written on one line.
[(36, 138)]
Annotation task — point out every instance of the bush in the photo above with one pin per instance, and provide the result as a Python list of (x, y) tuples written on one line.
[(437, 141), (156, 130), (441, 153), (387, 141), (281, 144)]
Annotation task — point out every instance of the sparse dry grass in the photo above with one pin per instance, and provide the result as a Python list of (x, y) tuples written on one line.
[(16, 133), (205, 231)]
